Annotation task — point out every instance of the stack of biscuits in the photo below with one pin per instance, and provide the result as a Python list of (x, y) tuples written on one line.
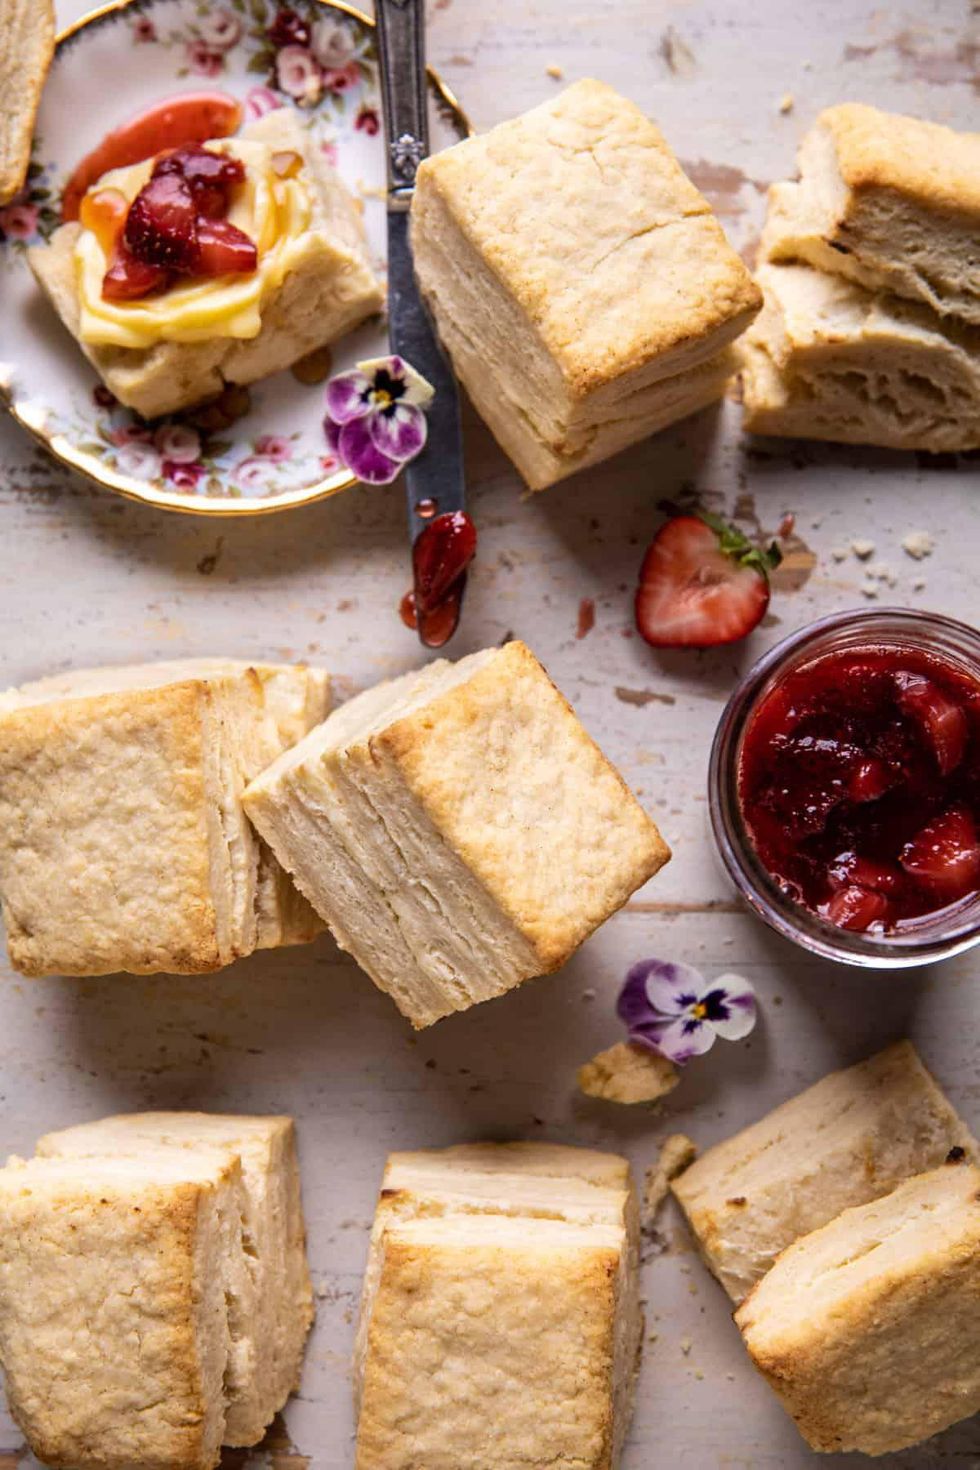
[(500, 1318), (581, 284), (869, 265), (845, 1226), (154, 1294)]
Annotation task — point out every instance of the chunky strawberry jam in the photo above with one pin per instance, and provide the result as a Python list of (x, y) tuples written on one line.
[(190, 117), (441, 557), (176, 225), (859, 784)]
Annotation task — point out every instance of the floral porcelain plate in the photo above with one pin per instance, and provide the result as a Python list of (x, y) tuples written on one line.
[(255, 449)]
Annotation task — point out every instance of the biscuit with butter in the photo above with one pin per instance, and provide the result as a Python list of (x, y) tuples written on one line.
[(182, 346)]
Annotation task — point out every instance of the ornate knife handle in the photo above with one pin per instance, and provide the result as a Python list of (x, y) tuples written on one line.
[(401, 53)]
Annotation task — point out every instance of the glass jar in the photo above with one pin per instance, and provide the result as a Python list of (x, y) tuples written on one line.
[(924, 940)]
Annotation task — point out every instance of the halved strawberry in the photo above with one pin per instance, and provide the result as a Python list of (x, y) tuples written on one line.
[(945, 855), (702, 583), (855, 908), (941, 720)]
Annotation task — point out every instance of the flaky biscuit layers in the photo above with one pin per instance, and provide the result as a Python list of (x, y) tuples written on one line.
[(154, 1293), (891, 202), (500, 1319), (457, 829), (584, 290), (868, 1329), (850, 1138), (123, 844)]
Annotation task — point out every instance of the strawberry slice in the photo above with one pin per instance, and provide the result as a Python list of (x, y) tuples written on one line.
[(869, 780), (129, 279), (211, 177), (852, 869), (702, 583), (945, 855), (855, 908), (223, 249), (161, 227), (941, 720)]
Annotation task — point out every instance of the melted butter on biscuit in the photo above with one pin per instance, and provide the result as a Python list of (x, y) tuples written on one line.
[(273, 210)]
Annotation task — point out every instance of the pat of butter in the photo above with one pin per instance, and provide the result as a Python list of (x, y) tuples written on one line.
[(273, 211)]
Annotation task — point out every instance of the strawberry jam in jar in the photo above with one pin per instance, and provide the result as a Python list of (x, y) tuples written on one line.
[(845, 787)]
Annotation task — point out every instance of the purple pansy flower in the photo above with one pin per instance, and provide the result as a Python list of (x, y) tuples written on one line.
[(375, 421), (672, 1009)]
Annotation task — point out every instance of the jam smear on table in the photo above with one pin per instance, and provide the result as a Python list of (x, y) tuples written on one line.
[(440, 558), (191, 117), (175, 225), (859, 784)]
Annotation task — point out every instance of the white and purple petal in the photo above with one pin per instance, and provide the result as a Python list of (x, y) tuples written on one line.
[(633, 1006), (360, 454), (415, 389), (673, 989), (731, 1007), (685, 1038), (348, 397), (399, 431)]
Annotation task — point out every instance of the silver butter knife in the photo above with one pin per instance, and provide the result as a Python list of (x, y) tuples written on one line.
[(434, 480)]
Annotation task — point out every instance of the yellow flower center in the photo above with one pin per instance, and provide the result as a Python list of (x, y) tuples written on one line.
[(381, 398), (699, 1011)]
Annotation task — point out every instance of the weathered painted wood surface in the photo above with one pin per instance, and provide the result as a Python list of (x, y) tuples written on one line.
[(87, 578)]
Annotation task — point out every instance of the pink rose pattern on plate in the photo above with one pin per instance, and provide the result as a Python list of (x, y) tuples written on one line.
[(272, 55), (311, 60), (178, 454)]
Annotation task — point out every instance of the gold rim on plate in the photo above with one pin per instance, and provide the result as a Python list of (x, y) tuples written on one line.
[(31, 416)]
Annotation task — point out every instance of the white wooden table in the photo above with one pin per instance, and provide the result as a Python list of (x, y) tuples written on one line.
[(88, 578)]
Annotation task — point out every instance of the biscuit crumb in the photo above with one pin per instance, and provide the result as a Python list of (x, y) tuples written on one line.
[(589, 993), (676, 1153), (628, 1074), (918, 544), (786, 103), (862, 548), (919, 584), (686, 1345), (839, 553), (554, 71), (869, 589), (882, 572)]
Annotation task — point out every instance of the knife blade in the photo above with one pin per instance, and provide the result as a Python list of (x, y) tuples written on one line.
[(434, 480)]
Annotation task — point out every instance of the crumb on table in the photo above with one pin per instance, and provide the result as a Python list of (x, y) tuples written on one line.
[(627, 1074)]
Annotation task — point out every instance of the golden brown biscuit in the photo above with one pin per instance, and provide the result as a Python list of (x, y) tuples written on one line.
[(851, 1137), (579, 281), (27, 29), (457, 829), (892, 202), (500, 1315), (828, 359), (123, 845), (277, 1299), (869, 1328)]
